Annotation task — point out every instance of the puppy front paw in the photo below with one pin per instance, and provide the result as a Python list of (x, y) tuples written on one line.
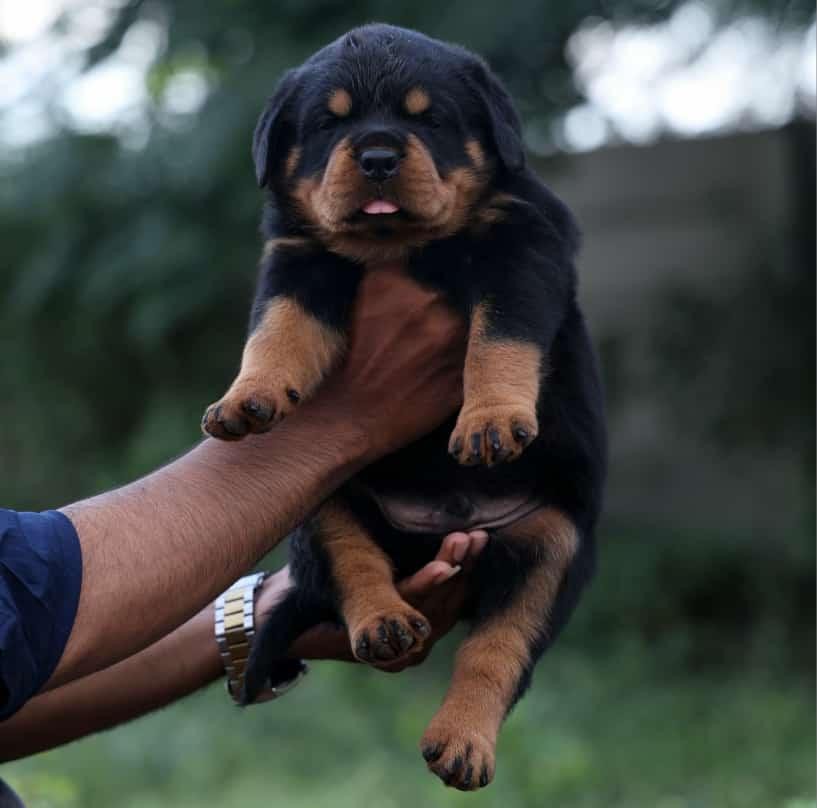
[(492, 435), (249, 407)]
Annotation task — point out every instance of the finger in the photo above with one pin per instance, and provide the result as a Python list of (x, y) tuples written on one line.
[(426, 579), (447, 599), (454, 548), (479, 538)]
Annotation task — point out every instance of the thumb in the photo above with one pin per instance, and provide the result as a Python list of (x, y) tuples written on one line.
[(424, 580)]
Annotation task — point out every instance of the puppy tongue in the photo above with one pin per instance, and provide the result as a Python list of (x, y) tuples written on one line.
[(380, 206)]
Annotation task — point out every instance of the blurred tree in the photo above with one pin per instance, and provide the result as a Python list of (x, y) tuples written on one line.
[(127, 268)]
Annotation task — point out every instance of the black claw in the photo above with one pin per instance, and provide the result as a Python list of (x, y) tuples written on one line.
[(293, 395), (451, 771), (432, 753), (502, 455), (237, 428), (383, 650), (404, 639), (465, 783), (456, 448), (483, 777), (256, 410), (476, 440), (423, 629), (362, 647), (520, 434), (495, 440)]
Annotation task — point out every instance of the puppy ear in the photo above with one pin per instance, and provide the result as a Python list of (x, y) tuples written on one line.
[(269, 138), (504, 122)]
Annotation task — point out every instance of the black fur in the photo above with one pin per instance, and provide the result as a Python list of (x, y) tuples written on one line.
[(521, 264)]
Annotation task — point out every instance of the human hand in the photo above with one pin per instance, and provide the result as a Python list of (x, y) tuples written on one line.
[(403, 370), (438, 590)]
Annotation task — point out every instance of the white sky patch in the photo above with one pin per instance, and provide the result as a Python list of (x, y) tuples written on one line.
[(585, 128), (185, 92), (688, 77), (113, 95), (23, 20), (807, 70), (685, 76), (42, 78)]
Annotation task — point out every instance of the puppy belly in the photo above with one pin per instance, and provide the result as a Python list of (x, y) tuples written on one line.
[(450, 511)]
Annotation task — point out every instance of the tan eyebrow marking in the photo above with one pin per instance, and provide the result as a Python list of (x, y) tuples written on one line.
[(475, 152), (340, 103), (293, 158), (416, 101)]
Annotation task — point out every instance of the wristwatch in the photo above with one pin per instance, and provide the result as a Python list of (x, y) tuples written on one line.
[(235, 628)]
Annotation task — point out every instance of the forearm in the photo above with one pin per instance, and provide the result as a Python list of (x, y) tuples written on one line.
[(188, 658), (158, 550), (180, 663), (184, 661)]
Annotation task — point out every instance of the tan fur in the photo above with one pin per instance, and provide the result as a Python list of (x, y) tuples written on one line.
[(491, 661), (326, 203), (364, 576), (289, 351), (441, 207), (500, 389), (340, 103), (416, 101), (290, 343), (293, 158), (475, 152), (495, 210)]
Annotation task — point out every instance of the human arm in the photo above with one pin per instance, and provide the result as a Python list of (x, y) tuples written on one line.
[(188, 659), (164, 546)]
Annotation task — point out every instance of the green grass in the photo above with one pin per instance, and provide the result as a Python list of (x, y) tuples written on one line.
[(620, 715), (609, 731)]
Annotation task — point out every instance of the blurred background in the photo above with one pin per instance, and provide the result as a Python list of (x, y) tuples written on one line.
[(682, 134)]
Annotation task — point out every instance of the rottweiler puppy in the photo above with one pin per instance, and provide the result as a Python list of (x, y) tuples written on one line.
[(388, 147)]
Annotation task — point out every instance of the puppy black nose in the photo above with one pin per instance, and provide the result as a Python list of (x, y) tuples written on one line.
[(379, 163)]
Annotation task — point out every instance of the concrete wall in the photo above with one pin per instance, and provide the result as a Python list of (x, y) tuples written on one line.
[(693, 219)]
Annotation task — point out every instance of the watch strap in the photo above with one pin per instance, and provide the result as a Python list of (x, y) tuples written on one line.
[(235, 628)]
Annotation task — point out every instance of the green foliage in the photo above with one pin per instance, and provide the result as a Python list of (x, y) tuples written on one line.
[(126, 275), (623, 712), (126, 272)]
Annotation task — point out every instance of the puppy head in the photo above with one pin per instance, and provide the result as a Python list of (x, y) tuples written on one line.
[(385, 140)]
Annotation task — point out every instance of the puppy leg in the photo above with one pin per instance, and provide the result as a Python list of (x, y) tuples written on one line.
[(500, 387), (493, 665), (383, 628), (287, 355)]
